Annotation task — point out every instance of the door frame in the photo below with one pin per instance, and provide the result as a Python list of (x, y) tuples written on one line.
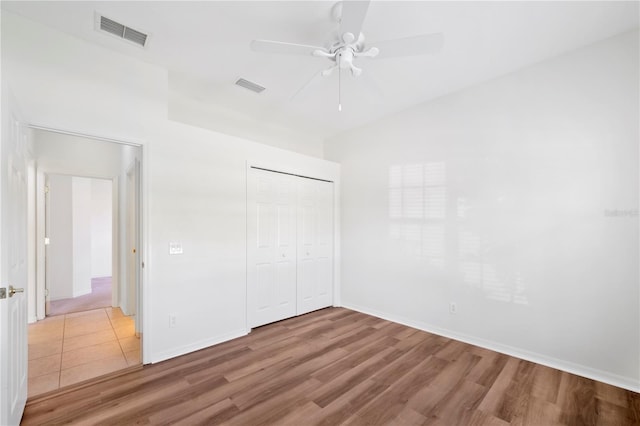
[(131, 210), (142, 231)]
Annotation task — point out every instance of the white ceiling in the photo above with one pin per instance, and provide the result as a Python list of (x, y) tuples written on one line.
[(205, 47)]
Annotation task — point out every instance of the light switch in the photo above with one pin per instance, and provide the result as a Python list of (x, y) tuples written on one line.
[(175, 248)]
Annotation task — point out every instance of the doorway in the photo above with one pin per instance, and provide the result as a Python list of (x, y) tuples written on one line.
[(79, 244), (87, 283)]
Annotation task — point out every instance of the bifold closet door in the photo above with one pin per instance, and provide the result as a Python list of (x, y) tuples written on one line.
[(271, 248), (315, 245)]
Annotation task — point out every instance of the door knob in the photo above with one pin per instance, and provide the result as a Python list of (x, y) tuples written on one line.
[(13, 290)]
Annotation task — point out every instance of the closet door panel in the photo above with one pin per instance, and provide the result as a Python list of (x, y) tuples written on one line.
[(271, 230), (324, 247), (306, 284), (315, 245), (264, 286)]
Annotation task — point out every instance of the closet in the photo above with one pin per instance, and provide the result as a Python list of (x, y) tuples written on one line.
[(289, 246)]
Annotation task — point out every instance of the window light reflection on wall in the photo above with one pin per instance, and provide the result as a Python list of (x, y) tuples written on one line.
[(417, 207), (418, 213)]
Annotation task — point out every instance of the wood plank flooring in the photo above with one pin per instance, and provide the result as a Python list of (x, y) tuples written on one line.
[(336, 366)]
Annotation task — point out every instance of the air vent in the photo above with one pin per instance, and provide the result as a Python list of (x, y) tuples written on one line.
[(135, 36), (112, 27), (117, 29), (249, 85)]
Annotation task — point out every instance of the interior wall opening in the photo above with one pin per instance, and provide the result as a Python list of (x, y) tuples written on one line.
[(78, 223), (85, 318)]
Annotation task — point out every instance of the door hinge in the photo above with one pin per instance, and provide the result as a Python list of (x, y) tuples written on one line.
[(143, 264), (3, 293)]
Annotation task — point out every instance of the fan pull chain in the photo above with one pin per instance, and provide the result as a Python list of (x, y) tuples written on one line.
[(339, 89)]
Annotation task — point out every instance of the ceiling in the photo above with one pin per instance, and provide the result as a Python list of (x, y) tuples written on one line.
[(205, 47)]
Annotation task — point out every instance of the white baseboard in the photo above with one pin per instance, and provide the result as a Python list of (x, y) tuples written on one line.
[(569, 367), (83, 292), (183, 350)]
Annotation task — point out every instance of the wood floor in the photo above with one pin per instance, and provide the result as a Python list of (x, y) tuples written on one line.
[(336, 366)]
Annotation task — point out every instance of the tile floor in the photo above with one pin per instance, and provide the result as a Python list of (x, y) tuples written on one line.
[(68, 349)]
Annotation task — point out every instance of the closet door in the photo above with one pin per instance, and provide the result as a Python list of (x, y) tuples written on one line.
[(315, 245), (271, 248)]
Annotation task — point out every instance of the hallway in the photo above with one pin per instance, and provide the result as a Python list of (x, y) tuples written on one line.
[(100, 297), (68, 349)]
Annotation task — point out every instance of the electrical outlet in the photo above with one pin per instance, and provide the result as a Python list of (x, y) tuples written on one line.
[(453, 308), (172, 320)]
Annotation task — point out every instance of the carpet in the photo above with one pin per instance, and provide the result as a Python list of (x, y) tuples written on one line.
[(100, 297)]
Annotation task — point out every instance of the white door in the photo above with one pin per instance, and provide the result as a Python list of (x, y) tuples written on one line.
[(13, 268), (271, 253), (315, 245), (47, 250), (131, 290)]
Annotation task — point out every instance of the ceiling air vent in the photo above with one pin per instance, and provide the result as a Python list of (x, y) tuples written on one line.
[(117, 29), (249, 85)]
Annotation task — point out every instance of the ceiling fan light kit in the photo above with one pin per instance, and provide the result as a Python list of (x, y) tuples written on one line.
[(346, 47)]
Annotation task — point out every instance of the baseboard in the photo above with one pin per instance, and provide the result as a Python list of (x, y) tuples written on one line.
[(569, 367), (205, 343), (31, 320), (82, 293)]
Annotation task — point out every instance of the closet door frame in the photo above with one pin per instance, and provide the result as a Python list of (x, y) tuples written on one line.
[(314, 169)]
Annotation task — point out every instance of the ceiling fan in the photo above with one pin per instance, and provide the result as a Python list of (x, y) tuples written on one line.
[(348, 43)]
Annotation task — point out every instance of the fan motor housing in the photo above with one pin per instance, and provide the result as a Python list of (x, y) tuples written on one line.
[(355, 46)]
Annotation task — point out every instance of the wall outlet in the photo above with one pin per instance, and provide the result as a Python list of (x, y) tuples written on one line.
[(173, 320), (453, 308)]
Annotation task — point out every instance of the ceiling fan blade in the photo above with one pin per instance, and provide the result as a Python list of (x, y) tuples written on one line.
[(302, 93), (353, 14), (374, 92), (270, 46), (409, 46)]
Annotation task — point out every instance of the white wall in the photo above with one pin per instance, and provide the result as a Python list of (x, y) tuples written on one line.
[(193, 112), (81, 235), (69, 255), (73, 155), (499, 198), (194, 180), (101, 227), (60, 249), (198, 198), (69, 84)]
